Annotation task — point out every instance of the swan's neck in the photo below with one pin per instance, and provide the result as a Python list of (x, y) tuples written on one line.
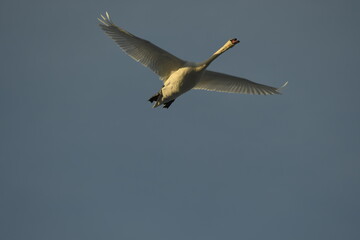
[(221, 50)]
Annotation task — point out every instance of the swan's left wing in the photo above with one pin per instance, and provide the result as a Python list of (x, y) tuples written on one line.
[(214, 81), (148, 54)]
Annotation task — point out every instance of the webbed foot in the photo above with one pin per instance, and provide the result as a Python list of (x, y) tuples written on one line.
[(155, 97), (167, 105)]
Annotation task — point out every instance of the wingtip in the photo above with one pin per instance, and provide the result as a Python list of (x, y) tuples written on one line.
[(284, 85), (106, 20), (102, 21)]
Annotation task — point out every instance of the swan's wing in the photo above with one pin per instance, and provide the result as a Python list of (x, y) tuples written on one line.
[(214, 81), (151, 56)]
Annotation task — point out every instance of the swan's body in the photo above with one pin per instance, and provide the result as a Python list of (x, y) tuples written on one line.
[(180, 76), (179, 82)]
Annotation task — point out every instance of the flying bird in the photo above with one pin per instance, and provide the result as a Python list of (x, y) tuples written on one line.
[(180, 76)]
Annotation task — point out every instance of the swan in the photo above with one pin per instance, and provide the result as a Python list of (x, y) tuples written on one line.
[(180, 76)]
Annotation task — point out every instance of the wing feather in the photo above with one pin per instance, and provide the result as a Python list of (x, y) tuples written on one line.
[(220, 82), (158, 60)]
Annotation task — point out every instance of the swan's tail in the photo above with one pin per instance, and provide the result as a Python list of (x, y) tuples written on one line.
[(156, 104)]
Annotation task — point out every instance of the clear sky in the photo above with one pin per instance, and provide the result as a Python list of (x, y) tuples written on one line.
[(83, 155)]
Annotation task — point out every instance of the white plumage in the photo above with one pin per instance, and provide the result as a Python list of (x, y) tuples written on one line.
[(180, 76)]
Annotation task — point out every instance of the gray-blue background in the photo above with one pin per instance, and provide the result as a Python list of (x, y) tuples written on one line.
[(84, 156)]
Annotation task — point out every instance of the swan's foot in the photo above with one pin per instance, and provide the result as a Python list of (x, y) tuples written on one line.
[(155, 97), (167, 105)]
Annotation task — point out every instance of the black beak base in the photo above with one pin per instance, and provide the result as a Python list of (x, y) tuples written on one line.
[(234, 41)]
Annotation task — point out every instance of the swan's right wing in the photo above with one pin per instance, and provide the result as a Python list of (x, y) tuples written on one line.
[(214, 81), (148, 54)]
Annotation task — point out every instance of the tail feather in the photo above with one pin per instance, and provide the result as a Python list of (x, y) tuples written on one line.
[(158, 103)]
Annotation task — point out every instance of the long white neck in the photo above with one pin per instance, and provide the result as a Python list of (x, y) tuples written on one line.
[(221, 50)]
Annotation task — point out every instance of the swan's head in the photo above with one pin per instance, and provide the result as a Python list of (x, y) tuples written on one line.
[(229, 44), (234, 41)]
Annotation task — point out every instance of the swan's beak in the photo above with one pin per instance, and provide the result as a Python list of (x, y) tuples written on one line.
[(234, 41)]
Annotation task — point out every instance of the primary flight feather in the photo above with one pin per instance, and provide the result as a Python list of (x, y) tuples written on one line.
[(180, 76)]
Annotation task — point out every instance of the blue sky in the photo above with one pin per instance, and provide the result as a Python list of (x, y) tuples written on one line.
[(84, 156)]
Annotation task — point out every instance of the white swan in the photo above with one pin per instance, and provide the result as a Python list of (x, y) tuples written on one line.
[(180, 76)]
